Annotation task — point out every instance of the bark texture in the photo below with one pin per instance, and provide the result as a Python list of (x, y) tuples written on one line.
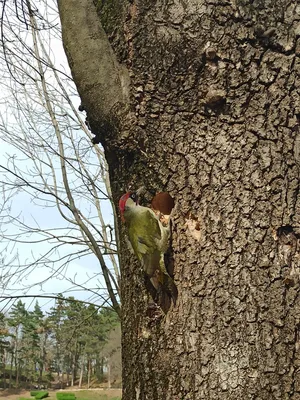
[(212, 118)]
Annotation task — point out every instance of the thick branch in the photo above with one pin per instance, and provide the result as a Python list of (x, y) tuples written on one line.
[(103, 84)]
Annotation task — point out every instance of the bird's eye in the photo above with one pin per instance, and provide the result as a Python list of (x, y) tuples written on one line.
[(133, 196)]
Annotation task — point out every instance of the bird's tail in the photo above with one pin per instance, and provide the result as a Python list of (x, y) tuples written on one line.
[(166, 282), (169, 287), (164, 285)]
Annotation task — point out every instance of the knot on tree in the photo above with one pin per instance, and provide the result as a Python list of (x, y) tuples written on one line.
[(215, 99), (288, 252)]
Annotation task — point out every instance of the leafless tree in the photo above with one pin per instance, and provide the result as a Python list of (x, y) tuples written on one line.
[(49, 160)]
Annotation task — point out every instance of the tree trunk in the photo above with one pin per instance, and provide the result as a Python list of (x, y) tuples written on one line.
[(41, 372), (74, 358), (81, 374), (212, 118), (99, 372), (68, 378), (11, 368), (17, 369), (16, 357), (108, 373), (4, 368), (89, 374), (43, 355)]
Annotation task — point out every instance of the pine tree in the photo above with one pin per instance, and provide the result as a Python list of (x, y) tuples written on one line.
[(31, 343), (16, 320)]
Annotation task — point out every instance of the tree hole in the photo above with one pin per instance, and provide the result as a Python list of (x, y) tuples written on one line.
[(163, 203), (286, 231)]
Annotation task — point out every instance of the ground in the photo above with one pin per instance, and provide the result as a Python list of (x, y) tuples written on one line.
[(92, 394)]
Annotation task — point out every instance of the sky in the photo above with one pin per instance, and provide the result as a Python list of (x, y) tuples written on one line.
[(28, 208)]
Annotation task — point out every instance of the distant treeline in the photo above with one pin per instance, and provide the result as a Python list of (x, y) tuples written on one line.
[(72, 344)]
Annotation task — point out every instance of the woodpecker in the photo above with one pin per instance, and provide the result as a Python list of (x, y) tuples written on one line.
[(149, 240)]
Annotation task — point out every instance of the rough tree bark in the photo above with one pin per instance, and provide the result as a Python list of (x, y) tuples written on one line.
[(201, 99)]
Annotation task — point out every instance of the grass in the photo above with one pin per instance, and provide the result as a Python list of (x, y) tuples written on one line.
[(79, 396), (85, 396), (93, 395), (102, 397), (113, 394)]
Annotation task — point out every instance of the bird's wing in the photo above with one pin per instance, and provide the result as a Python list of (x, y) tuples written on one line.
[(145, 233), (150, 263), (148, 239)]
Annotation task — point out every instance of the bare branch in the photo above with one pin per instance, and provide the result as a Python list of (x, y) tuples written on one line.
[(52, 164)]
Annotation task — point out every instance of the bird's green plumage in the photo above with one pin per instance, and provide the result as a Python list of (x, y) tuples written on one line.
[(144, 231), (148, 237), (149, 240)]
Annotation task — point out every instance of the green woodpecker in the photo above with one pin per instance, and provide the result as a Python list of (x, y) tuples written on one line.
[(149, 240)]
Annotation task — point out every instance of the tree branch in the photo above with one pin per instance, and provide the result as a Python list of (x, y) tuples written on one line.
[(103, 86)]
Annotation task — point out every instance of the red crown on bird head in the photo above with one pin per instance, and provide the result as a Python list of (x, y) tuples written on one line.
[(123, 200)]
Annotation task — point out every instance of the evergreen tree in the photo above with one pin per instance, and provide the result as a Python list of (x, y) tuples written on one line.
[(71, 337), (55, 320), (4, 346), (30, 351), (16, 320)]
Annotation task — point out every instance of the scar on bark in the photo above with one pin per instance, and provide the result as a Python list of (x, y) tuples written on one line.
[(215, 99), (289, 254), (193, 226)]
